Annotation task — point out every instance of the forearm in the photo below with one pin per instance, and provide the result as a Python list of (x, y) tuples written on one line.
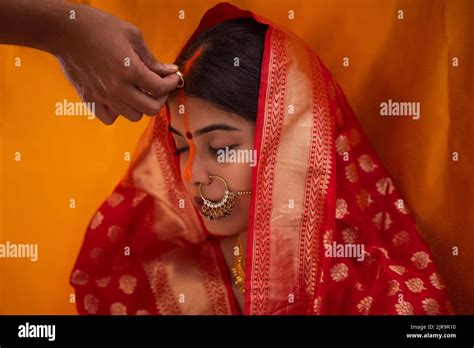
[(39, 24)]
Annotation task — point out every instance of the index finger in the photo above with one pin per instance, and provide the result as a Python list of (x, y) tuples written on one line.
[(152, 82)]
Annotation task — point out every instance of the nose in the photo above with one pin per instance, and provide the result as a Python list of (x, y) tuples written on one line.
[(199, 173)]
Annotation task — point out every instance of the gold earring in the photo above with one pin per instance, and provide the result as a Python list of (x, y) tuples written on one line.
[(221, 209)]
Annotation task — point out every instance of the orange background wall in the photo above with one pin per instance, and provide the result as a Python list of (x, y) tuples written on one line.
[(67, 158)]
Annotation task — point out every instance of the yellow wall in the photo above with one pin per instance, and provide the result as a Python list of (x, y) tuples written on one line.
[(75, 158)]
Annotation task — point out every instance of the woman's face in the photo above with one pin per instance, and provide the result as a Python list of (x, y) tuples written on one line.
[(213, 130)]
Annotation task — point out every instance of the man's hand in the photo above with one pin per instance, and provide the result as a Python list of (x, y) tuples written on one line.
[(105, 58), (109, 64)]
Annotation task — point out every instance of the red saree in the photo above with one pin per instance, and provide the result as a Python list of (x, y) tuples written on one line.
[(318, 184)]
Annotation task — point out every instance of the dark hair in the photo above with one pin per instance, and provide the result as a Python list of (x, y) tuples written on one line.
[(212, 76)]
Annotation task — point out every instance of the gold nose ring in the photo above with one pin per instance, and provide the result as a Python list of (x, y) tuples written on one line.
[(221, 209)]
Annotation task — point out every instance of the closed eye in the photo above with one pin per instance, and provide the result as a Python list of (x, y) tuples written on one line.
[(212, 150), (215, 151), (181, 150)]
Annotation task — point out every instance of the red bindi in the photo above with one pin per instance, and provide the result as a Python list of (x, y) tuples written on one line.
[(189, 135)]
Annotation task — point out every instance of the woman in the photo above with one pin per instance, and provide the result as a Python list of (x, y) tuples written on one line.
[(314, 225)]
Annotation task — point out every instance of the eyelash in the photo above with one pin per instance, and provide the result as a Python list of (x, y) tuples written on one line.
[(179, 151), (211, 149), (214, 151)]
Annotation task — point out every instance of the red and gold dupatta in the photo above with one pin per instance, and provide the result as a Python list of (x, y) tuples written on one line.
[(318, 184)]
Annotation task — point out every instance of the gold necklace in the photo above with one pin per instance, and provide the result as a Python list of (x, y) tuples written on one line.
[(238, 269)]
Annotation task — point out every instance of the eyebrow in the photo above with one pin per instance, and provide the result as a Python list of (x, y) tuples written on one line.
[(207, 129)]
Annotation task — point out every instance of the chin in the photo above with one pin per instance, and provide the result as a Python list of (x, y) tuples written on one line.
[(223, 228)]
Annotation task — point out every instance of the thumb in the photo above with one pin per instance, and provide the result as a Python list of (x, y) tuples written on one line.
[(150, 61)]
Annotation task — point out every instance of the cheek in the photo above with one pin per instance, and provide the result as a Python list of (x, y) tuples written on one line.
[(182, 164), (183, 160), (241, 177), (245, 185)]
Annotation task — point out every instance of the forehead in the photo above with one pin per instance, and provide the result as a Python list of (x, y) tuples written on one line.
[(200, 113)]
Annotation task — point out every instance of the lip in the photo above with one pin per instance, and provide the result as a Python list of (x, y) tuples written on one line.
[(199, 202)]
